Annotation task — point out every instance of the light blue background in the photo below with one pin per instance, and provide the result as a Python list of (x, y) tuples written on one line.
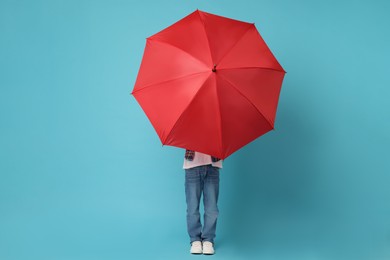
[(84, 176)]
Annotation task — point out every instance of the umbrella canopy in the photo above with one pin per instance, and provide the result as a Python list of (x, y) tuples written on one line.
[(209, 83)]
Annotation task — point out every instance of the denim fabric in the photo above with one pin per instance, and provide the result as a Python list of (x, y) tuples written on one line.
[(202, 180)]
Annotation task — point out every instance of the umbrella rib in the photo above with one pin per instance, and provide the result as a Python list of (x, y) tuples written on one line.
[(263, 68), (238, 40), (220, 119), (166, 81), (184, 110), (205, 32), (250, 102), (174, 46)]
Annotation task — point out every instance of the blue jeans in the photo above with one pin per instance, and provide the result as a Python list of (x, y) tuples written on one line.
[(202, 180)]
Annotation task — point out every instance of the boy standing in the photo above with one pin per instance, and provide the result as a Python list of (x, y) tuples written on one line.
[(201, 177)]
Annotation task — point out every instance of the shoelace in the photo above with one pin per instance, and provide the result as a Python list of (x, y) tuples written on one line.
[(207, 244), (197, 245)]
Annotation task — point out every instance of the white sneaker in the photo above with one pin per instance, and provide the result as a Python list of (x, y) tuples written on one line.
[(196, 247), (208, 248)]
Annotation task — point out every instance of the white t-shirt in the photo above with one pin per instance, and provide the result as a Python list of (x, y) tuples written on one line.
[(201, 159)]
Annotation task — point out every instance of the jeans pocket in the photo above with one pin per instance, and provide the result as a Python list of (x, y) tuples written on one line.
[(192, 175), (213, 175)]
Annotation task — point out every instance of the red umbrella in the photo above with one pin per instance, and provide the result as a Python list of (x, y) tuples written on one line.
[(209, 83)]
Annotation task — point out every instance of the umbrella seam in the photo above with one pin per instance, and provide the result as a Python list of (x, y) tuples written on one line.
[(250, 102), (166, 81), (264, 68), (238, 40), (207, 36), (170, 44), (220, 117), (269, 49), (184, 110)]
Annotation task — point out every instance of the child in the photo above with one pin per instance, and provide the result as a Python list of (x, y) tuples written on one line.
[(201, 177)]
